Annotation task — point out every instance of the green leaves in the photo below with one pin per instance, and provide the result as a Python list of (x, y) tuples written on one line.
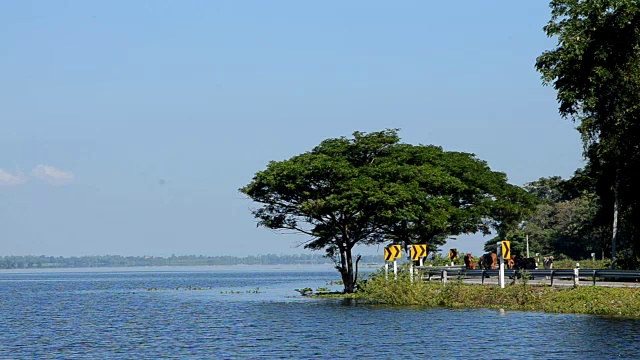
[(372, 189), (595, 69)]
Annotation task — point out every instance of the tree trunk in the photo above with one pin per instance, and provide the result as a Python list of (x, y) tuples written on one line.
[(346, 269), (350, 287), (355, 277), (614, 238)]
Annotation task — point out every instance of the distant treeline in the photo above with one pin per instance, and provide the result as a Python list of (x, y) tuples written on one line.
[(34, 262)]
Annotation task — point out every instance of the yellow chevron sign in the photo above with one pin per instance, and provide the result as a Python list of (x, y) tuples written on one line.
[(506, 249), (453, 254), (418, 251), (392, 252)]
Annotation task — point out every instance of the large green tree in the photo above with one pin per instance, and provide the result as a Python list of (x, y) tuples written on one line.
[(566, 220), (440, 194), (372, 188), (595, 69)]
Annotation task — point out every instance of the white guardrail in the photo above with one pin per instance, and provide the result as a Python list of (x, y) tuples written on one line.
[(445, 272)]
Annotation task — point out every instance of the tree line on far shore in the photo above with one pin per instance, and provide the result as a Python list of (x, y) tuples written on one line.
[(43, 262)]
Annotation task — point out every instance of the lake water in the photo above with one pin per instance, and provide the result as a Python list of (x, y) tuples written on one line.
[(245, 313)]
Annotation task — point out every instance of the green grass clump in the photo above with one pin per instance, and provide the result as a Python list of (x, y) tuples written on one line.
[(584, 264), (519, 296)]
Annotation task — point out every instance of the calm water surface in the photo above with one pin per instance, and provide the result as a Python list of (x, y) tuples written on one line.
[(206, 313)]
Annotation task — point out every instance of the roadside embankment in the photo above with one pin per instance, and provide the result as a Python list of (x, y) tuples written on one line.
[(519, 296)]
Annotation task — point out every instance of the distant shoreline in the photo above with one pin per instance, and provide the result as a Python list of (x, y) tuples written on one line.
[(118, 261), (193, 268)]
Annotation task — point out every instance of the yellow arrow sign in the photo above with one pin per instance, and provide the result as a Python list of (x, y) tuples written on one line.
[(392, 252), (506, 249), (418, 251), (453, 254)]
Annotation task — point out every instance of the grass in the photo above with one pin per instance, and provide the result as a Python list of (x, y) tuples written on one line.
[(624, 302), (584, 264)]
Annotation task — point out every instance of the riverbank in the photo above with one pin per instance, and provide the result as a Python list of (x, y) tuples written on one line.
[(624, 302)]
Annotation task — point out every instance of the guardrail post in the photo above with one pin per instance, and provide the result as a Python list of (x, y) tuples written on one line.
[(594, 277), (576, 277), (395, 269), (552, 273), (411, 273), (484, 272), (501, 273), (444, 276), (386, 271)]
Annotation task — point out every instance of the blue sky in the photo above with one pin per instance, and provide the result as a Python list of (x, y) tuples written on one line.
[(128, 126)]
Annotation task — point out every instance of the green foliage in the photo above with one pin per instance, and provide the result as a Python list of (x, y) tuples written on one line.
[(519, 296), (305, 291), (564, 221), (584, 264), (592, 300), (628, 261), (595, 69), (439, 260), (373, 189)]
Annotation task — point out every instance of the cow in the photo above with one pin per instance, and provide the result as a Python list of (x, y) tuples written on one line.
[(523, 263), (488, 261), (511, 263), (469, 262)]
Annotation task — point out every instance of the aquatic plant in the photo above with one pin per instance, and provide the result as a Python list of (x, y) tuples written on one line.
[(305, 291)]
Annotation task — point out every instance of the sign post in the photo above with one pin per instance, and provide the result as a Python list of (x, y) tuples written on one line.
[(392, 252), (501, 273), (386, 270), (395, 269), (453, 255), (504, 252), (411, 272), (418, 253)]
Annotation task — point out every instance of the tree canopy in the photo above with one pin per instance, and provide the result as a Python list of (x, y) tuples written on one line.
[(595, 69), (372, 189), (565, 221)]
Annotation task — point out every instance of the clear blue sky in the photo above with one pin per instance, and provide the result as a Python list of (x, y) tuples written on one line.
[(126, 127)]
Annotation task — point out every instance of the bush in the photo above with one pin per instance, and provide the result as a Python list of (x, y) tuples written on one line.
[(627, 261), (584, 264), (439, 260)]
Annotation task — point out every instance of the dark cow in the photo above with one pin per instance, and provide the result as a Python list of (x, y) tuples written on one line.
[(523, 263), (469, 262), (488, 261)]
